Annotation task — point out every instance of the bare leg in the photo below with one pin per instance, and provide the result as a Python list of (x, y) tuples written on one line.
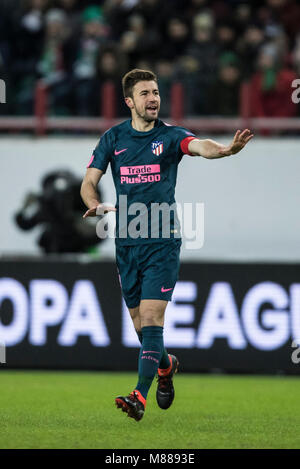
[(135, 316), (152, 312)]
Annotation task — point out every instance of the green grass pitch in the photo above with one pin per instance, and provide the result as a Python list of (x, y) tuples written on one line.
[(77, 410)]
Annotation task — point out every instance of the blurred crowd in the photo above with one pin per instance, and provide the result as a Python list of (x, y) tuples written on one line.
[(211, 47)]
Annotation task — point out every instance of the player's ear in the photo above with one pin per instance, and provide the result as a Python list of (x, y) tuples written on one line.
[(129, 102)]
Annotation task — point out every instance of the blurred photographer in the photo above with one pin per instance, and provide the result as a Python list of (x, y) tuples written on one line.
[(58, 209)]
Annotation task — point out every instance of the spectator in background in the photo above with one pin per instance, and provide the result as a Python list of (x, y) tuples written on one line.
[(188, 37), (117, 13), (187, 73), (176, 39), (271, 88), (51, 66), (249, 47), (84, 51), (196, 7), (222, 10), (110, 68), (242, 17), (226, 37), (156, 13), (138, 42), (28, 29), (71, 10), (296, 55), (28, 35), (6, 37), (6, 34), (287, 13), (224, 93), (165, 71), (204, 50), (203, 47), (152, 11)]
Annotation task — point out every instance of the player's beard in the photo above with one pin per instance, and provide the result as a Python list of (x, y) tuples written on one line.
[(145, 116)]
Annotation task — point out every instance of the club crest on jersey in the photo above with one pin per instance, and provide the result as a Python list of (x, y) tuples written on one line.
[(157, 148)]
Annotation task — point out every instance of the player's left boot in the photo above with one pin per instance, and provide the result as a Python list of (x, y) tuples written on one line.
[(134, 404), (165, 390)]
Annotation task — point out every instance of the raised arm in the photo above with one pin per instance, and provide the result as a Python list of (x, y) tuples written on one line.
[(211, 149), (90, 196)]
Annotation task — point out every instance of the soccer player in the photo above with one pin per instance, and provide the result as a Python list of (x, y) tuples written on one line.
[(144, 153)]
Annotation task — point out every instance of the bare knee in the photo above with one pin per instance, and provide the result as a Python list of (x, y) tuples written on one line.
[(152, 312)]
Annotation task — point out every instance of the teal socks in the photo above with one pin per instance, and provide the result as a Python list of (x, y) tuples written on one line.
[(150, 356), (164, 361)]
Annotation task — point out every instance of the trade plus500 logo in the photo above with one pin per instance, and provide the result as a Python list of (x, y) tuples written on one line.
[(268, 317)]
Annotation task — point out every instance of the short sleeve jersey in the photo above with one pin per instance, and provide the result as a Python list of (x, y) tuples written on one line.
[(144, 169)]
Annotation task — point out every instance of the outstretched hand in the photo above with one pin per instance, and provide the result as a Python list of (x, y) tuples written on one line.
[(239, 141), (98, 210)]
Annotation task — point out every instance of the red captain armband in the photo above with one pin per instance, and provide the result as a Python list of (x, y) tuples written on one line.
[(184, 145)]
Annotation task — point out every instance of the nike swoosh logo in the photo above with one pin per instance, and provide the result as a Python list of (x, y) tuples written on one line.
[(121, 151), (163, 289), (150, 351)]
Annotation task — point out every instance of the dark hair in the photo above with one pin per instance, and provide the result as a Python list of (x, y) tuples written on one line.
[(133, 77)]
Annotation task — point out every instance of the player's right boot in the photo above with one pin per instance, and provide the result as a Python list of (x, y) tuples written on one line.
[(165, 390), (134, 404)]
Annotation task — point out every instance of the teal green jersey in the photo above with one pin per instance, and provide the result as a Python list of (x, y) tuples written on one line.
[(144, 169)]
